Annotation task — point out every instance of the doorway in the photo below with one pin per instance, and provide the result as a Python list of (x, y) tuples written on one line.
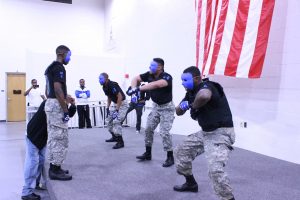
[(16, 101)]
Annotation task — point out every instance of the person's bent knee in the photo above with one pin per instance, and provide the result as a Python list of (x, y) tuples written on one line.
[(148, 131), (216, 171)]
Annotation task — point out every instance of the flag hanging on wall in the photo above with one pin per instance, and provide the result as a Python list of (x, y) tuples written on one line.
[(232, 36)]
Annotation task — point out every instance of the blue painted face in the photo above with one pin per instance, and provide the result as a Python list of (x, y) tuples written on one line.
[(68, 57), (187, 81), (153, 67), (101, 79)]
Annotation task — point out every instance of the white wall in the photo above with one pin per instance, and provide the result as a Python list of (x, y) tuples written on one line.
[(32, 29), (163, 28)]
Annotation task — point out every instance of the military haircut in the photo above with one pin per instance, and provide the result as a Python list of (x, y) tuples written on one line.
[(62, 49), (159, 61), (193, 70), (105, 75)]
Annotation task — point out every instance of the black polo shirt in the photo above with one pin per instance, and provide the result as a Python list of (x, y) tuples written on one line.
[(216, 112), (159, 95), (111, 89), (55, 73)]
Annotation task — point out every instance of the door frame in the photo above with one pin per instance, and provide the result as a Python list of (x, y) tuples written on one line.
[(6, 86)]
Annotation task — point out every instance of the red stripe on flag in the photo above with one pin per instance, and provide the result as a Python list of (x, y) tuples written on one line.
[(219, 36), (207, 21), (238, 38), (198, 31), (211, 33), (262, 39)]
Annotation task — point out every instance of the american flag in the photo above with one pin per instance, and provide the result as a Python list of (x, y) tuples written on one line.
[(232, 36)]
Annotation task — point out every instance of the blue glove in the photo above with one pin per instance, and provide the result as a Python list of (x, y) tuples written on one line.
[(66, 117), (131, 91), (115, 114), (134, 99), (184, 105)]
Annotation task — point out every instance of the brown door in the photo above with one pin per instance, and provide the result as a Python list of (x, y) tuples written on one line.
[(16, 101)]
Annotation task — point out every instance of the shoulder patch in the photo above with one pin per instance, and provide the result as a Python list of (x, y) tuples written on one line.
[(61, 74), (166, 77), (205, 85)]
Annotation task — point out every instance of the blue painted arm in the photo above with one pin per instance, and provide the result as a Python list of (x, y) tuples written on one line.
[(77, 92), (88, 94)]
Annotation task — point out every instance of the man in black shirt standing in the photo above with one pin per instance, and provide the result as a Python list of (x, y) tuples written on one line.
[(208, 105), (57, 113), (138, 104), (160, 87), (117, 113)]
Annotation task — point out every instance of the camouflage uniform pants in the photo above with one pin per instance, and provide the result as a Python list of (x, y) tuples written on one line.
[(216, 145), (115, 126), (57, 132), (163, 114)]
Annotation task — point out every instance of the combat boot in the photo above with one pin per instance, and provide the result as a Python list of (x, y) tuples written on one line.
[(55, 173), (147, 155), (112, 139), (189, 186), (65, 171), (170, 159), (120, 143)]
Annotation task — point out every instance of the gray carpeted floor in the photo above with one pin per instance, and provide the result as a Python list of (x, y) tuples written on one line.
[(101, 173)]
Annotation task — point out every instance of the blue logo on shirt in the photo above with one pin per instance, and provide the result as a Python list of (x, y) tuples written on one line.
[(166, 77), (61, 75)]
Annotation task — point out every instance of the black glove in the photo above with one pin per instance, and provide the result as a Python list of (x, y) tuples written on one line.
[(66, 117), (107, 112), (129, 90), (72, 110)]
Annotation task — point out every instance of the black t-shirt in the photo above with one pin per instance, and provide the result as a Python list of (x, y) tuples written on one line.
[(112, 89), (160, 95), (216, 112), (55, 73)]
